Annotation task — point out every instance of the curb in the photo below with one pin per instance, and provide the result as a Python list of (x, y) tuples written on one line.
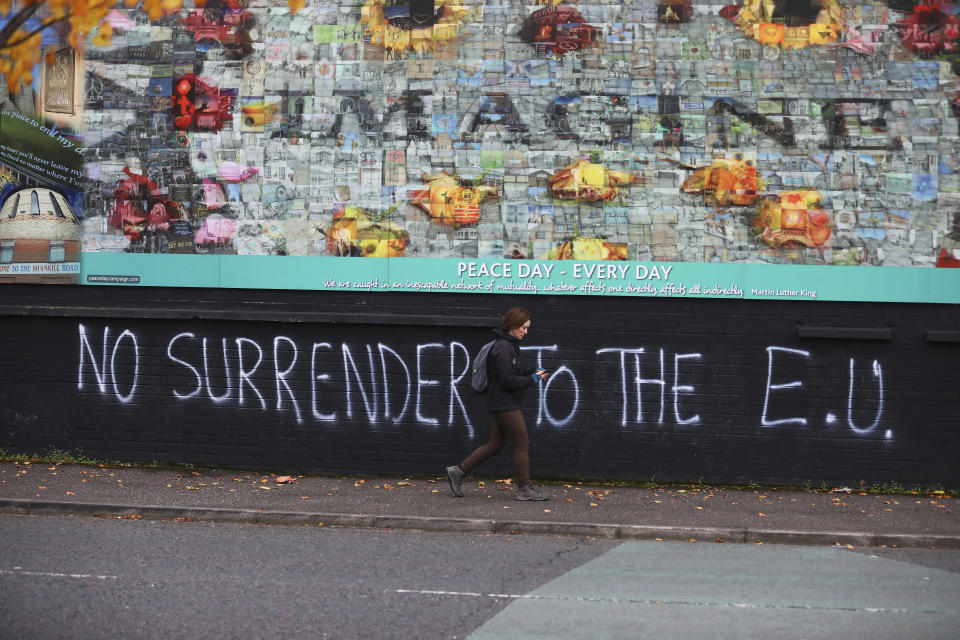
[(477, 525)]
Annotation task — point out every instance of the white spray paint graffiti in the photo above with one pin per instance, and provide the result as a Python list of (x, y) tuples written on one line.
[(422, 382), (101, 377), (100, 373), (323, 377), (381, 382), (678, 388), (543, 388), (455, 379), (878, 376), (204, 381), (226, 374), (369, 402), (244, 375), (195, 392), (774, 387), (282, 377), (383, 349), (639, 381)]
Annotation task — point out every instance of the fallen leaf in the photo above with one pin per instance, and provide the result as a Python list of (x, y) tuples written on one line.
[(404, 483), (388, 487), (71, 493), (284, 480), (762, 515)]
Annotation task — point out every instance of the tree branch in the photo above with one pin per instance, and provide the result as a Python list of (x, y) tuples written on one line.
[(7, 32), (16, 22), (53, 21)]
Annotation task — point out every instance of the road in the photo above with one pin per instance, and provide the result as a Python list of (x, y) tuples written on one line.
[(63, 577)]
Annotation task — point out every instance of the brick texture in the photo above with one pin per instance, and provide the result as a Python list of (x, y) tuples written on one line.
[(723, 391)]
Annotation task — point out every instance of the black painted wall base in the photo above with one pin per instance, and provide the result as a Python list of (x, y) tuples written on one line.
[(666, 389)]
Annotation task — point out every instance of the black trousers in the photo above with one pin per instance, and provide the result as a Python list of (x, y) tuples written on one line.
[(507, 425)]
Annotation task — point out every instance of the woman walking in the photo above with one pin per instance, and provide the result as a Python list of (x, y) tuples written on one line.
[(509, 379)]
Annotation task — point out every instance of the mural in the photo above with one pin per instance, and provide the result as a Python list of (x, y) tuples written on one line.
[(819, 132)]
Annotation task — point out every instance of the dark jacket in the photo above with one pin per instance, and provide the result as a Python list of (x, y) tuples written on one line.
[(509, 375)]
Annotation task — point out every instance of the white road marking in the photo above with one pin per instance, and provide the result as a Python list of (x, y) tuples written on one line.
[(17, 571), (737, 605)]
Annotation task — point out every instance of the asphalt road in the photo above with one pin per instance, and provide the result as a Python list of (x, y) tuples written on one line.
[(63, 577)]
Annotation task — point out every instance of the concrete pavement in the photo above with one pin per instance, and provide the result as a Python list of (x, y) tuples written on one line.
[(691, 513)]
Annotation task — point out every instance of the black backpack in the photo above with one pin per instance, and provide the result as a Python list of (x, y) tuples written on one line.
[(480, 380)]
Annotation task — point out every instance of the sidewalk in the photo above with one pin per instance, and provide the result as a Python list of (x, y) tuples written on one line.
[(698, 514)]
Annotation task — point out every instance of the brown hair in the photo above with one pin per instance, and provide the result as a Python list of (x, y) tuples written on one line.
[(513, 318)]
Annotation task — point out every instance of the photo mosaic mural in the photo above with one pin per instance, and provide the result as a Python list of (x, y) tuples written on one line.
[(819, 133)]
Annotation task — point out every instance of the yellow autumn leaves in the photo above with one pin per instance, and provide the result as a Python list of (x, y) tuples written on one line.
[(20, 44)]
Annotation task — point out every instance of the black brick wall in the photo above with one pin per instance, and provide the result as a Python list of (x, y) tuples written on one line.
[(749, 391)]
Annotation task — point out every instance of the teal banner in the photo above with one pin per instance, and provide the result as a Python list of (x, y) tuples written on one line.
[(552, 277)]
